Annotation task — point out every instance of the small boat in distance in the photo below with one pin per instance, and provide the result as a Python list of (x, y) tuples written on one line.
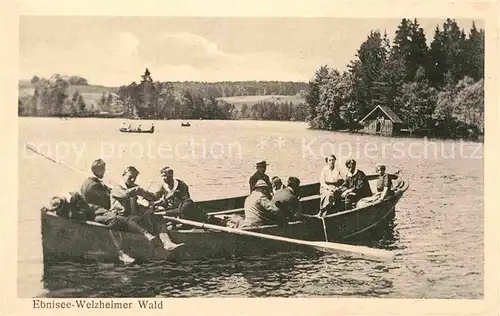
[(128, 129), (185, 124), (147, 131)]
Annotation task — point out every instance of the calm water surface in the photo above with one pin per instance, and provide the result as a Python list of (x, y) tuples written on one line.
[(437, 232)]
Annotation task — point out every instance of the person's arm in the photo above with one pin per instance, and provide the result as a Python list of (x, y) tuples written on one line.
[(387, 184), (295, 208), (273, 210), (94, 194), (252, 183), (148, 196), (160, 192), (122, 193), (322, 180)]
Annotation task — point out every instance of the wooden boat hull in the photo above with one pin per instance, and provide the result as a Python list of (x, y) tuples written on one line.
[(203, 244), (65, 239), (69, 240)]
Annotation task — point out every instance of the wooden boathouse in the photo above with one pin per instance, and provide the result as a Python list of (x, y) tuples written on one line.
[(382, 121)]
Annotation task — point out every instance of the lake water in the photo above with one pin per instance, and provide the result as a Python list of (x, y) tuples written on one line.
[(436, 233)]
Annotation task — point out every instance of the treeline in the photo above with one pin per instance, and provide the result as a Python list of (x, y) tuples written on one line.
[(240, 88), (438, 87), (160, 100), (51, 98), (273, 111)]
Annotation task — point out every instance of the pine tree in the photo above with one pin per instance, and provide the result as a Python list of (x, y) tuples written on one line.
[(410, 45), (366, 70), (475, 53), (448, 53), (313, 95)]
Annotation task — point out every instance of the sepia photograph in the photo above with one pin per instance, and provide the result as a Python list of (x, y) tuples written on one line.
[(250, 157)]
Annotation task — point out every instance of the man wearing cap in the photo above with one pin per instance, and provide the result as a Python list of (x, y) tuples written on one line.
[(260, 174), (287, 199), (258, 208)]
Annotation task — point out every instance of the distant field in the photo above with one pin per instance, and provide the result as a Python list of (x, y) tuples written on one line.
[(254, 99)]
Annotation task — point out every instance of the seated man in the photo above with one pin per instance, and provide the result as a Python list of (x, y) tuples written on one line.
[(260, 174), (286, 199), (97, 196), (384, 184), (124, 203), (174, 197), (258, 208), (277, 183), (356, 185)]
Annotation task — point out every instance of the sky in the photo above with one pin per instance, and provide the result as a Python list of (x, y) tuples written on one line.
[(114, 51)]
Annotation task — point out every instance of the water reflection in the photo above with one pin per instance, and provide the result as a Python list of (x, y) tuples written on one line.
[(383, 236)]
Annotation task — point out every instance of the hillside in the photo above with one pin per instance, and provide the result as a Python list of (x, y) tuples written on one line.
[(91, 93)]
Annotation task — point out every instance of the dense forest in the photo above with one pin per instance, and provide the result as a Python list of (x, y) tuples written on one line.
[(438, 88)]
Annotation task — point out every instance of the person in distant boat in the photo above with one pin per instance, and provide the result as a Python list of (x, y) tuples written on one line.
[(129, 127), (124, 125), (124, 202), (259, 210), (139, 128), (330, 180), (152, 127), (356, 185), (287, 199), (174, 197), (384, 184), (260, 174), (277, 183)]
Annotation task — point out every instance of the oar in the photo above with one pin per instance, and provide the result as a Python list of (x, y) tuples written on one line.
[(377, 254)]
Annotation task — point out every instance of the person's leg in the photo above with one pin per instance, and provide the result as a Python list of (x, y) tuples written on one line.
[(110, 219)]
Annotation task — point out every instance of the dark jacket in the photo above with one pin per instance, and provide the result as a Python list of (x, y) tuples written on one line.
[(287, 202), (359, 182), (384, 181), (96, 194), (174, 201), (259, 176)]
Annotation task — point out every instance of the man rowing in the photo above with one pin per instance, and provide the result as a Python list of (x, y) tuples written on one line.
[(174, 198), (259, 210), (260, 174)]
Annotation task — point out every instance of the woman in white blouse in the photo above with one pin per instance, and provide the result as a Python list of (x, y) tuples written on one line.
[(330, 181)]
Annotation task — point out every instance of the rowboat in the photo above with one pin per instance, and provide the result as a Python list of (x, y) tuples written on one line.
[(146, 131), (65, 239), (185, 124), (335, 227)]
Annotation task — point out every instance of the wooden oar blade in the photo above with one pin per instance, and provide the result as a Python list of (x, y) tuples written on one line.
[(351, 250)]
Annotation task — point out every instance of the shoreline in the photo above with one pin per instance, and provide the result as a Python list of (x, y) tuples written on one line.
[(479, 139)]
